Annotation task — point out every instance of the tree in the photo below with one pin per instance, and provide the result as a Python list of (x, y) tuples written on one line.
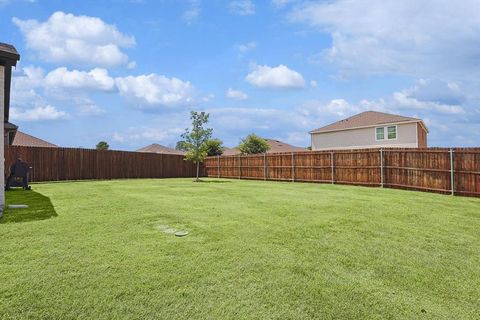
[(102, 145), (181, 146), (214, 147), (196, 138), (253, 144)]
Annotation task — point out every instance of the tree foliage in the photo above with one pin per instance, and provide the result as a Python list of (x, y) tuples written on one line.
[(195, 138), (102, 145), (214, 147), (181, 146), (253, 144)]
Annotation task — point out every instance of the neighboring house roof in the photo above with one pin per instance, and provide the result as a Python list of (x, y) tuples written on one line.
[(26, 140), (276, 146), (280, 146), (158, 148), (230, 151), (366, 119)]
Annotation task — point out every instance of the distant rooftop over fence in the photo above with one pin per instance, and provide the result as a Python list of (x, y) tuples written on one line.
[(276, 146), (158, 148), (26, 140)]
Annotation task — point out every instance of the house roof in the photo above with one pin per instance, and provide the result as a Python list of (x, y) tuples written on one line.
[(366, 119), (158, 148), (26, 140), (230, 151), (280, 146), (276, 146), (8, 53)]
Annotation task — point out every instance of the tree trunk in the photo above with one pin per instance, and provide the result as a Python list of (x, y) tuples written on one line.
[(198, 170)]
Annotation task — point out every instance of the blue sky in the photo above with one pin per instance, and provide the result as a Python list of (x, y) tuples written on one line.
[(129, 72)]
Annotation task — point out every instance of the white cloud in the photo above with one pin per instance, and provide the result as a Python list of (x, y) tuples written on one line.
[(164, 129), (45, 113), (433, 38), (245, 47), (281, 3), (320, 111), (208, 97), (236, 94), (192, 14), (254, 119), (132, 65), (402, 99), (313, 83), (432, 96), (67, 38), (31, 77), (33, 88), (151, 134), (280, 77), (90, 109), (27, 78), (34, 92), (96, 79), (242, 7), (156, 90)]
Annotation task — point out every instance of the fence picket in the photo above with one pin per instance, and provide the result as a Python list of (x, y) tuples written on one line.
[(55, 164), (434, 169)]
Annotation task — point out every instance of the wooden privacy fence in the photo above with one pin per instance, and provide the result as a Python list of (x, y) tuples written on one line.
[(454, 171), (55, 164)]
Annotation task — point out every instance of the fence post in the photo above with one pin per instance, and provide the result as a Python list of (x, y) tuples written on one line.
[(452, 182), (218, 166), (381, 168), (240, 167), (264, 166), (293, 167), (331, 162)]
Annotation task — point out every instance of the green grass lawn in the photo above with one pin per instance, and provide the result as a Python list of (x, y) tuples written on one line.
[(256, 250)]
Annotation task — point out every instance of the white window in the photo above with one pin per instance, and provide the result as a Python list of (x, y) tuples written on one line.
[(392, 132), (386, 133), (380, 133)]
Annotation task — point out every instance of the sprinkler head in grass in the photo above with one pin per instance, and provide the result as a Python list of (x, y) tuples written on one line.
[(181, 233)]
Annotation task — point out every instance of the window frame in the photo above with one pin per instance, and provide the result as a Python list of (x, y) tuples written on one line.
[(396, 132), (385, 133), (376, 134)]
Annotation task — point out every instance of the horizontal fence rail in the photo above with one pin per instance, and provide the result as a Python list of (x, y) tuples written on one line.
[(56, 164), (450, 171)]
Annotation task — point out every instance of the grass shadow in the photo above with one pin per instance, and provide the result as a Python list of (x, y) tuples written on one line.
[(39, 207)]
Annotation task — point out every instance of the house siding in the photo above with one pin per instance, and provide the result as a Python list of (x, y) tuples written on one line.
[(365, 138), (422, 136), (2, 155)]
